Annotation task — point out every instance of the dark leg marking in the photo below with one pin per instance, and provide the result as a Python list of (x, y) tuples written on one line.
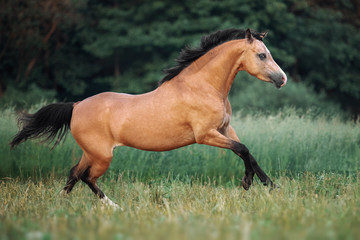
[(72, 180), (251, 166), (260, 173), (85, 177), (249, 172)]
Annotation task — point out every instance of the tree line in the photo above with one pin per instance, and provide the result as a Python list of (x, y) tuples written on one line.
[(71, 49)]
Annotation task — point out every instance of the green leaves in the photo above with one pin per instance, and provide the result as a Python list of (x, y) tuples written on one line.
[(123, 47)]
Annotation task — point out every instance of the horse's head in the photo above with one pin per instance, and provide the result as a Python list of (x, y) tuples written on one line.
[(257, 61)]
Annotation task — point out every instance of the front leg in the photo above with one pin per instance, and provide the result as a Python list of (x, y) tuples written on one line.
[(244, 153), (248, 160), (228, 140)]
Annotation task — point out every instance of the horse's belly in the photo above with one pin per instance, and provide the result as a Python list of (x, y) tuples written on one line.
[(159, 146), (156, 138)]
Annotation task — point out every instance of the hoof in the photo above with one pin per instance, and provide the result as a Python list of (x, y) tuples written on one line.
[(245, 183), (274, 186), (269, 183)]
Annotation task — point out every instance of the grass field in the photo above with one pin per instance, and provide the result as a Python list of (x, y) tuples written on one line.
[(193, 192), (326, 206)]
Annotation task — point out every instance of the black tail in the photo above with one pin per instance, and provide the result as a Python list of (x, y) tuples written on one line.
[(50, 122)]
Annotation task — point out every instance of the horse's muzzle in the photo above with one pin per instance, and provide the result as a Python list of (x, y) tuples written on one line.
[(279, 79)]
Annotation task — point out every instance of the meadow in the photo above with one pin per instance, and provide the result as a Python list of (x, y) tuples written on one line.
[(193, 192)]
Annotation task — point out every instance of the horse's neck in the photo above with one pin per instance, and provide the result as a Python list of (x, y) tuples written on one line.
[(219, 66)]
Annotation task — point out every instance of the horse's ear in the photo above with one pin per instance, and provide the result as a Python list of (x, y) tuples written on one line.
[(249, 36), (263, 35)]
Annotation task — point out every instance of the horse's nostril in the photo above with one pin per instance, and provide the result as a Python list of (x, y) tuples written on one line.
[(284, 80), (278, 78)]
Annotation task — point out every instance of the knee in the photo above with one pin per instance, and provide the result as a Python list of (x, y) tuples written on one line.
[(240, 149), (85, 175)]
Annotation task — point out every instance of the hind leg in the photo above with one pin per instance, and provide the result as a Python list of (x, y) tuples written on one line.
[(75, 174), (98, 167), (89, 170)]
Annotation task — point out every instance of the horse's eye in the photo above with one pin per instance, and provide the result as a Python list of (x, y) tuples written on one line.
[(262, 56)]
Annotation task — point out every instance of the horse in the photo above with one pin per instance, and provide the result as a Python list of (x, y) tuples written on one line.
[(190, 105)]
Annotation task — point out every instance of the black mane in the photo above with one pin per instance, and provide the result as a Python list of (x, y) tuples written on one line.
[(188, 55)]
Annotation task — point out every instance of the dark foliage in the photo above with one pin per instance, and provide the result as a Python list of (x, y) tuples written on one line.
[(75, 49)]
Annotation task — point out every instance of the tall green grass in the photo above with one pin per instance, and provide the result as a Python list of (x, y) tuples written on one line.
[(285, 142), (192, 192)]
